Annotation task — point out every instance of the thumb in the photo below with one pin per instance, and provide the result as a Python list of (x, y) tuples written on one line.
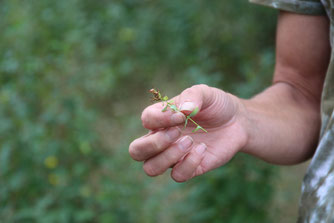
[(198, 96), (195, 97), (220, 107)]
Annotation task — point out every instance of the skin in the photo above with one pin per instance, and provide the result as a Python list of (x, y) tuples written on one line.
[(280, 125)]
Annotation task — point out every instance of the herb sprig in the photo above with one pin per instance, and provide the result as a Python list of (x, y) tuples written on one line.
[(170, 104)]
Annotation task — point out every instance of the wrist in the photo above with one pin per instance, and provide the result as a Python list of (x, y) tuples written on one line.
[(281, 126), (241, 122), (246, 117)]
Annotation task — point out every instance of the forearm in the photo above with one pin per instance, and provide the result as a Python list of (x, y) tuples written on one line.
[(282, 124)]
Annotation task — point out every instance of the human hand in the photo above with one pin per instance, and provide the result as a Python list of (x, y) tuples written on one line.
[(190, 154)]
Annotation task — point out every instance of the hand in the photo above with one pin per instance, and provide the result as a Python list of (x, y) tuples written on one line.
[(190, 154)]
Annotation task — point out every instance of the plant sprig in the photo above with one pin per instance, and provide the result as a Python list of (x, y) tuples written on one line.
[(170, 104)]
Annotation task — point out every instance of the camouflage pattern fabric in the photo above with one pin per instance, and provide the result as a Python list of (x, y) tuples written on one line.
[(317, 201), (312, 7)]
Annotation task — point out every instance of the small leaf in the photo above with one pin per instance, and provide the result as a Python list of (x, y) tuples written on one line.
[(194, 112), (165, 108), (197, 128), (165, 98), (173, 107), (186, 122)]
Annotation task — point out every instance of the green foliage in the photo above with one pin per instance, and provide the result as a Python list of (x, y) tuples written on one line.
[(71, 72), (238, 192)]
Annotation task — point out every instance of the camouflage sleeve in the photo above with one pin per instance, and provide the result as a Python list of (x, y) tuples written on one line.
[(310, 7)]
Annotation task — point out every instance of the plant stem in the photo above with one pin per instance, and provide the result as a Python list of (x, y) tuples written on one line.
[(158, 97), (169, 105), (197, 124)]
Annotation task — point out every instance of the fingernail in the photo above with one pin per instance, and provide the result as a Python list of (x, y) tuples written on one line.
[(185, 143), (187, 106), (200, 149), (173, 133), (177, 118)]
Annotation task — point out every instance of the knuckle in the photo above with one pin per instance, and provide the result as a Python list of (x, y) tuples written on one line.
[(204, 85), (199, 170), (162, 120), (203, 88), (159, 141), (192, 161), (178, 177), (149, 170), (198, 90), (151, 119), (171, 157), (189, 90), (156, 145), (200, 86)]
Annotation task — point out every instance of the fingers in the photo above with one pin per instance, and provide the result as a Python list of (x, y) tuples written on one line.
[(160, 163), (190, 165), (153, 117), (160, 151), (197, 96), (145, 147)]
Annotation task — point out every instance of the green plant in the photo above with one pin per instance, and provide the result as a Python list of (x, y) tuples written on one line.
[(170, 104), (67, 114)]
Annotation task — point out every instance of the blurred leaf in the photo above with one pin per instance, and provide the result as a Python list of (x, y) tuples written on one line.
[(194, 112), (174, 108), (197, 128), (165, 108)]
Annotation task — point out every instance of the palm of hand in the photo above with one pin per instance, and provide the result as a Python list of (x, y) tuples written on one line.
[(223, 141)]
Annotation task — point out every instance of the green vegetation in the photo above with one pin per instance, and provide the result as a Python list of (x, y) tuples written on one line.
[(73, 80)]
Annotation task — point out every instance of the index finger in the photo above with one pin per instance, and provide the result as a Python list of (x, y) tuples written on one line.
[(154, 118)]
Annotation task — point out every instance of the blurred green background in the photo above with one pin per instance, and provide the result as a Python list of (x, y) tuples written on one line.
[(74, 78)]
